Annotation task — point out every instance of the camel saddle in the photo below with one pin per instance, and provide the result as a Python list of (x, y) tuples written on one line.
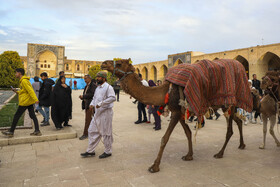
[(221, 82)]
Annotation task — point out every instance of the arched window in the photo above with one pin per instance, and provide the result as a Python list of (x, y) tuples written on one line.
[(67, 66), (78, 67), (88, 67)]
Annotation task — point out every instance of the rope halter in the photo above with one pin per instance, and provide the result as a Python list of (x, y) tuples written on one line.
[(121, 71)]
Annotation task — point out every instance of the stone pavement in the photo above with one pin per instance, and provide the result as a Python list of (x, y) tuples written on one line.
[(58, 163), (4, 95)]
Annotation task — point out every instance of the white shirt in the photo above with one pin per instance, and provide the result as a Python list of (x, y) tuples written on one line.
[(145, 83), (104, 96)]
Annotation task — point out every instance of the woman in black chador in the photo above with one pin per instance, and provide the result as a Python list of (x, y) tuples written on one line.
[(61, 103)]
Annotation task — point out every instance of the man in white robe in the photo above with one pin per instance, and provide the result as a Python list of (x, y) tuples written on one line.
[(101, 123)]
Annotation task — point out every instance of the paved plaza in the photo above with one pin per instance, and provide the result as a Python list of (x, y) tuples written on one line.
[(58, 163)]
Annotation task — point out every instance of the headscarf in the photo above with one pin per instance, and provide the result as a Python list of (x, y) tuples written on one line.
[(151, 83), (58, 83)]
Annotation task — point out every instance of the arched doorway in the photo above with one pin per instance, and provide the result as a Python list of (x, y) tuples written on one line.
[(153, 74), (272, 61), (177, 62), (46, 61), (244, 62), (137, 71), (162, 72), (216, 58), (144, 73)]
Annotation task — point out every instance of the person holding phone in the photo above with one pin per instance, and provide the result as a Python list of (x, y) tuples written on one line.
[(27, 98)]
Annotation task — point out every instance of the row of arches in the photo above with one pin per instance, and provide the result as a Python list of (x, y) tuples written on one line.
[(269, 62), (153, 73)]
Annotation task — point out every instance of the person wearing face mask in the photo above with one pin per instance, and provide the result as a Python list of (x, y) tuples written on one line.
[(101, 123)]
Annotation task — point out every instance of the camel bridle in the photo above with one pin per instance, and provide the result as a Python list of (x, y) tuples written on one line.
[(121, 71), (267, 78), (273, 92), (272, 85)]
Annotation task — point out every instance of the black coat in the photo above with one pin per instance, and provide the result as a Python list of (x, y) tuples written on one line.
[(45, 92), (87, 97), (116, 85), (61, 104)]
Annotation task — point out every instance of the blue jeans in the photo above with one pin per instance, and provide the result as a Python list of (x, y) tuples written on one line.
[(45, 113)]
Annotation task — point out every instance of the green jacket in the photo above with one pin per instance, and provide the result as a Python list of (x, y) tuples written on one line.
[(26, 94)]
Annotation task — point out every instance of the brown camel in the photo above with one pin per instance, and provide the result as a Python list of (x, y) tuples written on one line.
[(269, 104), (131, 84)]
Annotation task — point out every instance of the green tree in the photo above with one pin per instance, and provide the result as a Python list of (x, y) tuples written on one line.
[(96, 68), (111, 78), (9, 61)]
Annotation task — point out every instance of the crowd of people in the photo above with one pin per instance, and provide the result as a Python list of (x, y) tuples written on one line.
[(151, 109), (39, 97), (97, 101)]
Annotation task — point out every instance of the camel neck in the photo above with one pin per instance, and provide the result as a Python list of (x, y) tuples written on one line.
[(147, 95)]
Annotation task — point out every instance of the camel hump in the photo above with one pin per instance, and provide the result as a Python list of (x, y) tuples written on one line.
[(208, 83)]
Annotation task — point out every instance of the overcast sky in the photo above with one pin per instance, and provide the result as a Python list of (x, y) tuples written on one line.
[(144, 30)]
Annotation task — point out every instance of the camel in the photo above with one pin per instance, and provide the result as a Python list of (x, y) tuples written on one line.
[(269, 104), (131, 84), (256, 100)]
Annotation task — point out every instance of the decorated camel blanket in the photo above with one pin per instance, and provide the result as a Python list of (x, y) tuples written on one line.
[(212, 83)]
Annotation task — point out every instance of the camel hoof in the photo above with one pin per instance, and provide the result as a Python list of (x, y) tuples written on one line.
[(261, 146), (187, 158), (218, 155), (153, 169), (242, 146)]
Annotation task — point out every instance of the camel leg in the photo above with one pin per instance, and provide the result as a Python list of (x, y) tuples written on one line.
[(264, 118), (228, 135), (188, 133), (174, 120), (239, 124), (272, 123)]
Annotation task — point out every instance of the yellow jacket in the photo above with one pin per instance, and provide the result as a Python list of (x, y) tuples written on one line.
[(26, 94)]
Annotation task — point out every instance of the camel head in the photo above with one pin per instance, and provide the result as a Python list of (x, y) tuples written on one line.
[(256, 98), (270, 79), (119, 66)]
